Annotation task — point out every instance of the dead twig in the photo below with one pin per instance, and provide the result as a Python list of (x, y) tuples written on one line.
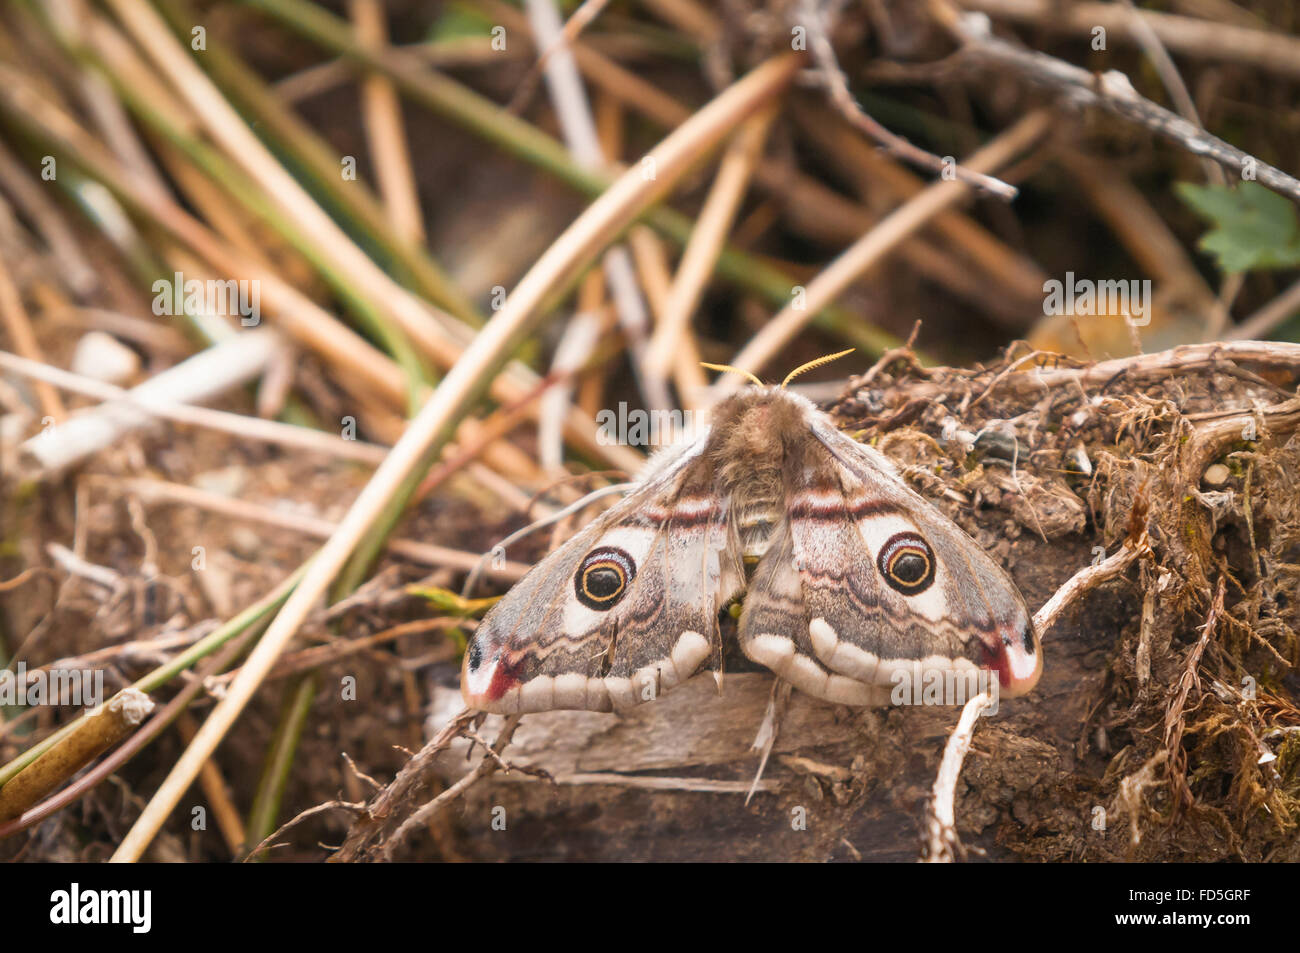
[(1174, 722), (1086, 580), (1205, 39), (355, 807), (109, 724), (942, 841), (1111, 91), (491, 761), (814, 20), (161, 491)]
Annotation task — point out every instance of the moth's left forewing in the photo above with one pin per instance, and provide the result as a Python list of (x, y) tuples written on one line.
[(970, 605)]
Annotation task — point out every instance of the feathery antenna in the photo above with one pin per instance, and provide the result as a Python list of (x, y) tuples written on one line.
[(811, 364), (727, 368)]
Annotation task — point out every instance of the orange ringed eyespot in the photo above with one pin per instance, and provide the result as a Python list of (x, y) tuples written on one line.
[(603, 577), (906, 563)]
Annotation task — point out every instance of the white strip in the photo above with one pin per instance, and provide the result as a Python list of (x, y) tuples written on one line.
[(779, 654), (537, 694), (207, 374)]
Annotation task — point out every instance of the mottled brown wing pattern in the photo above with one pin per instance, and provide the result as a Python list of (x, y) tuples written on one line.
[(621, 613), (859, 581), (815, 569), (939, 601)]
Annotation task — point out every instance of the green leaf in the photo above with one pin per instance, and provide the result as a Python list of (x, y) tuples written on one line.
[(451, 602), (1252, 227)]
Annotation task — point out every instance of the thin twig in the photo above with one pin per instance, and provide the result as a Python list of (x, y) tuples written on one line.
[(1205, 39), (366, 839), (1165, 68), (321, 655), (490, 762), (870, 250), (837, 85), (356, 807), (579, 21), (1085, 580), (1113, 92), (941, 828), (425, 553)]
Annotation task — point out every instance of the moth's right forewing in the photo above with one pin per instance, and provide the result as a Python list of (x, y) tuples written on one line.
[(621, 613)]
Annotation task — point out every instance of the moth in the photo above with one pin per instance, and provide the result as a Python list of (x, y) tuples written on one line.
[(845, 577)]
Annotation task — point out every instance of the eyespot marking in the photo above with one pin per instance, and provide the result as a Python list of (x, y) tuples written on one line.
[(906, 563), (603, 577)]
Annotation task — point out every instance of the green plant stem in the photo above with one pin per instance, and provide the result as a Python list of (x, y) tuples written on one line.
[(298, 698), (257, 612), (318, 166), (233, 182), (486, 119)]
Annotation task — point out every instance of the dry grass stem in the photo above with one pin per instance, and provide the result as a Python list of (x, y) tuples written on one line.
[(423, 553), (382, 111), (206, 375), (241, 425), (707, 239), (871, 249)]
